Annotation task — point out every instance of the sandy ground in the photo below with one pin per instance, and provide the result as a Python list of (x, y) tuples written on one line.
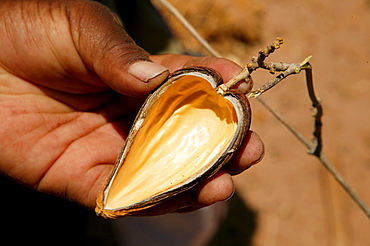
[(295, 200)]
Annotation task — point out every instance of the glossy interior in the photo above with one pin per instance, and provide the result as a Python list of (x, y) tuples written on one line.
[(183, 133)]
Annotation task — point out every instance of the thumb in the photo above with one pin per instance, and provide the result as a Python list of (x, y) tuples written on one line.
[(108, 51)]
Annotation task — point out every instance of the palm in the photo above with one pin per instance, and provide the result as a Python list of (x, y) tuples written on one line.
[(60, 145), (59, 133)]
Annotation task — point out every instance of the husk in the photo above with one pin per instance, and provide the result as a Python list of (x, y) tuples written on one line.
[(244, 116)]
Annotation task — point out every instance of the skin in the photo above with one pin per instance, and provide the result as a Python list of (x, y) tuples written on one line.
[(67, 101)]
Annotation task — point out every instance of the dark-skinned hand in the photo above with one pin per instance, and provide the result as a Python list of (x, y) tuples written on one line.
[(71, 80)]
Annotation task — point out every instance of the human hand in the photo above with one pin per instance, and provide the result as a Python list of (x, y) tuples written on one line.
[(71, 80)]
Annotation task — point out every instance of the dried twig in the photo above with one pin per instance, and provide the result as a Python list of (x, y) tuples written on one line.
[(286, 69), (318, 112)]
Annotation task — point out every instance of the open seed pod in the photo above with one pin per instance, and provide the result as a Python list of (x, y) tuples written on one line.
[(183, 134)]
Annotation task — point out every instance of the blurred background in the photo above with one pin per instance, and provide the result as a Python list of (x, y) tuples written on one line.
[(289, 198), (293, 198)]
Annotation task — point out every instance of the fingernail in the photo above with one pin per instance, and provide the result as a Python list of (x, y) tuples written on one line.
[(146, 71), (244, 87)]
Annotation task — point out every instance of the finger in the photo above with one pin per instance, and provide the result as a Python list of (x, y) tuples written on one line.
[(228, 69), (108, 50), (249, 153), (225, 67), (218, 188), (169, 205)]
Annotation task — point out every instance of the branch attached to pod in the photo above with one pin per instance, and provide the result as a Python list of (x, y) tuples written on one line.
[(286, 68), (315, 146)]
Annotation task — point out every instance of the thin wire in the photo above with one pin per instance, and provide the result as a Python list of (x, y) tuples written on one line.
[(189, 27)]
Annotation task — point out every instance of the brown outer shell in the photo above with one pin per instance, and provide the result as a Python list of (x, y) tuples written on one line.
[(243, 127)]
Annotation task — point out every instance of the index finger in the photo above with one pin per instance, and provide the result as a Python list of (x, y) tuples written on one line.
[(225, 67)]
